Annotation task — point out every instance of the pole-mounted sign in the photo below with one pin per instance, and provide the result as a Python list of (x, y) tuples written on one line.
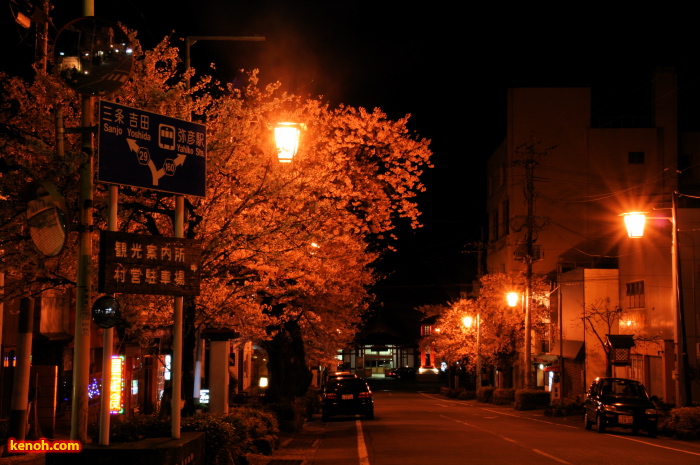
[(143, 149), (143, 264)]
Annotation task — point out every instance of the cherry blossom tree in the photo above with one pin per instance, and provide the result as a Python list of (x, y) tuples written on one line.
[(501, 328), (287, 249)]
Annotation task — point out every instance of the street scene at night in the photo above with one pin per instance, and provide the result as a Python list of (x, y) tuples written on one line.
[(363, 233)]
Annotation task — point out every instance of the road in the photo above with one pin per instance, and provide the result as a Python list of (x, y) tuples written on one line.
[(421, 428)]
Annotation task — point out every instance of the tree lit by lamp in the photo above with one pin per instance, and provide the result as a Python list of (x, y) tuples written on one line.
[(287, 141)]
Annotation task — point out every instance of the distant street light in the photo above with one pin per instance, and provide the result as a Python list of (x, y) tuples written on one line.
[(468, 322), (512, 299)]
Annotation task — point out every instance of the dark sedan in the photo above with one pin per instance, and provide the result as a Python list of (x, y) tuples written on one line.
[(620, 402), (347, 396), (402, 373)]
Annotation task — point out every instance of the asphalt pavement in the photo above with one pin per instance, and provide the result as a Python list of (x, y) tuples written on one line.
[(300, 448)]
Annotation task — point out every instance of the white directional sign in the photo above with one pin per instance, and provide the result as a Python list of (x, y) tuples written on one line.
[(143, 149)]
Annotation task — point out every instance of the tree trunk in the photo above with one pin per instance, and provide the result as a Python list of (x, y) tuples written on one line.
[(608, 363), (289, 377), (504, 364)]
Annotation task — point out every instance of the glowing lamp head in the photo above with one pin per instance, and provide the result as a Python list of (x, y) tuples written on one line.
[(468, 321), (287, 140), (634, 222), (512, 298)]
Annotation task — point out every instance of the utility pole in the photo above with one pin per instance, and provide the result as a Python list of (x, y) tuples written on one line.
[(528, 161), (478, 248), (529, 164)]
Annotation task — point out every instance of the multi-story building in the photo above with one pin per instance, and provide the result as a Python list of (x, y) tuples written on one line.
[(571, 164)]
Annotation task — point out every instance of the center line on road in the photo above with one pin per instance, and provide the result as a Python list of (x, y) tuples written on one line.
[(550, 456)]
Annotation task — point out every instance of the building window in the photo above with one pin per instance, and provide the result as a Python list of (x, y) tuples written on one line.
[(493, 226), (636, 370), (635, 158), (505, 215), (544, 338), (635, 294)]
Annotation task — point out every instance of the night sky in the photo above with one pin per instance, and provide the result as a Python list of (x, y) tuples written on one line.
[(447, 64)]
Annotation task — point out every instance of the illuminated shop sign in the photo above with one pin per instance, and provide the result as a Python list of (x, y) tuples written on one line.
[(116, 385)]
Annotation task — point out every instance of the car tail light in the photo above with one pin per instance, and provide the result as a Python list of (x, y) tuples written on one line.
[(365, 395), (330, 395)]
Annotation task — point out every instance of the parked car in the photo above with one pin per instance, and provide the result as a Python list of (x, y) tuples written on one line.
[(620, 402), (337, 375), (347, 396), (402, 373), (341, 374)]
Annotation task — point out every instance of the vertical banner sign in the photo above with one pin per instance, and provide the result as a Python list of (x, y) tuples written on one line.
[(142, 149), (116, 385)]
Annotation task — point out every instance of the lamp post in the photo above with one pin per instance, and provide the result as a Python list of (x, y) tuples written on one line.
[(512, 299), (635, 222), (285, 153), (469, 321), (178, 302)]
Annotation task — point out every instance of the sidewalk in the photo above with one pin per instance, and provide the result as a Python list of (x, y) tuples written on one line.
[(24, 459), (295, 448)]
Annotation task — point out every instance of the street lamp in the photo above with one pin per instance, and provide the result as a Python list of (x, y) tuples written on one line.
[(287, 140), (512, 299), (468, 321), (635, 221)]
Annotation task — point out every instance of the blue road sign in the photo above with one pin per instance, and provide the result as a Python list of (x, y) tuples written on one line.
[(142, 149)]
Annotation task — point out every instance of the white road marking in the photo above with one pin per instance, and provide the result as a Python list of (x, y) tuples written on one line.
[(652, 444), (549, 456), (361, 446), (505, 438), (656, 445)]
